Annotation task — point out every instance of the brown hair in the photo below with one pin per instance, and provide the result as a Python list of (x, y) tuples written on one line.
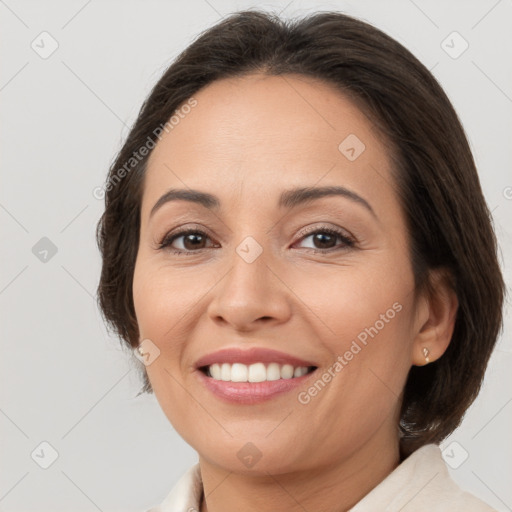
[(448, 221)]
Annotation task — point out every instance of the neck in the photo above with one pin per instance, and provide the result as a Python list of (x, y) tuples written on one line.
[(336, 487)]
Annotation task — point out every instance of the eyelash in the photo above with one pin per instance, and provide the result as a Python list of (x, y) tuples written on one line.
[(348, 242)]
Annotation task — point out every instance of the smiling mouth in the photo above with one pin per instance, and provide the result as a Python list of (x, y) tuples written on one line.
[(256, 372)]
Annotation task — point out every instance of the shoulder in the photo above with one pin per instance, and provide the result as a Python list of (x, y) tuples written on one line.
[(421, 483)]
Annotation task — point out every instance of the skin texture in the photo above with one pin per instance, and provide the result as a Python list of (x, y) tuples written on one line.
[(246, 141)]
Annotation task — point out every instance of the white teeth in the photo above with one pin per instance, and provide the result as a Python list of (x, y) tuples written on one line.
[(287, 371), (239, 372), (215, 371), (225, 372), (273, 371), (256, 372), (300, 371)]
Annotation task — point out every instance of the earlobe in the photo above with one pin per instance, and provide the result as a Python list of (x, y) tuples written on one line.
[(435, 333)]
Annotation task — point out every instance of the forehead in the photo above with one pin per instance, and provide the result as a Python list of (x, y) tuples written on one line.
[(263, 133)]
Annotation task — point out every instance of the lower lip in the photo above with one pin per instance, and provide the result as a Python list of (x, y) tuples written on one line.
[(251, 392)]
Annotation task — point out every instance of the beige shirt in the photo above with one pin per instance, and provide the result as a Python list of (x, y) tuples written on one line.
[(421, 483)]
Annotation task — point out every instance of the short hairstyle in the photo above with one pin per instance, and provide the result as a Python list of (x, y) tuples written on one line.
[(448, 222)]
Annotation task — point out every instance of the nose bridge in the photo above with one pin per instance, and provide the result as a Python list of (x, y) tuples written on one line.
[(250, 278), (250, 290)]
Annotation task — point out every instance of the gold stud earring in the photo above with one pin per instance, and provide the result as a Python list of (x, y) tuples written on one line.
[(426, 352)]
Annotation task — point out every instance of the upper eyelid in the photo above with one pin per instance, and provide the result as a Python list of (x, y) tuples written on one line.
[(183, 230), (313, 229)]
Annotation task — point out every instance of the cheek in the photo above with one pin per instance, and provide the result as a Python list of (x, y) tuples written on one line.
[(159, 307), (362, 319), (161, 298), (354, 303), (166, 303)]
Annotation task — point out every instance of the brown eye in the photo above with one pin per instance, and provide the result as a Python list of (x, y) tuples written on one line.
[(324, 239), (192, 240)]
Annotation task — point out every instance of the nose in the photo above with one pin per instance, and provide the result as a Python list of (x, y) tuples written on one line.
[(250, 295)]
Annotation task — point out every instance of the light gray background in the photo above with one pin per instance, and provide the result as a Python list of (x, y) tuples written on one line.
[(64, 380)]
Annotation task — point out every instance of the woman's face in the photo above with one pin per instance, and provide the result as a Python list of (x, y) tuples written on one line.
[(326, 282)]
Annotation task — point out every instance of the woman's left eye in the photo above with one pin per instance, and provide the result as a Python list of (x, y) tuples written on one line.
[(194, 240)]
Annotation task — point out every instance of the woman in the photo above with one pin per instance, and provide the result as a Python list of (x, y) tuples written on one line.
[(296, 242)]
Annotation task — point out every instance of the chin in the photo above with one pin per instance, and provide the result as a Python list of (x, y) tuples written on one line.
[(258, 458)]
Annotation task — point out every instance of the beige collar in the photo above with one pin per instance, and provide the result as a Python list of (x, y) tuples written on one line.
[(421, 483)]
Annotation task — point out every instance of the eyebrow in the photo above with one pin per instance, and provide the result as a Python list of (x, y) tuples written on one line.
[(288, 199)]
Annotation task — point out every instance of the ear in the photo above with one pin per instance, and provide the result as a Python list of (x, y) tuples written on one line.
[(437, 321)]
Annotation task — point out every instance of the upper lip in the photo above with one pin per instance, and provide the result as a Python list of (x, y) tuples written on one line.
[(250, 356)]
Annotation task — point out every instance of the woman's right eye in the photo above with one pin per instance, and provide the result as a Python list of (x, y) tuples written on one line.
[(192, 241)]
